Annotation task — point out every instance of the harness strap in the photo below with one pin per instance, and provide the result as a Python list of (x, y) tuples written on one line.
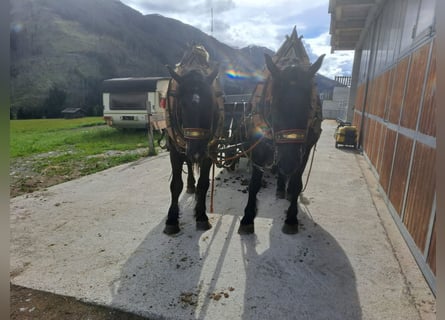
[(310, 167), (179, 135), (171, 119)]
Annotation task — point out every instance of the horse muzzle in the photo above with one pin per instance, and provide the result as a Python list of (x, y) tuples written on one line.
[(290, 158), (196, 150), (196, 143)]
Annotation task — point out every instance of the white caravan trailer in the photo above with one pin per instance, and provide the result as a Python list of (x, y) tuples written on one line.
[(131, 102)]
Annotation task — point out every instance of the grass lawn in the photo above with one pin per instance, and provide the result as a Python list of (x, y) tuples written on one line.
[(85, 135), (74, 147)]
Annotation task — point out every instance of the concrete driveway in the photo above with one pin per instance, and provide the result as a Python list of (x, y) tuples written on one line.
[(99, 239)]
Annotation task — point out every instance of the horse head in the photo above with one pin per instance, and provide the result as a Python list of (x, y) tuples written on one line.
[(197, 110), (292, 98)]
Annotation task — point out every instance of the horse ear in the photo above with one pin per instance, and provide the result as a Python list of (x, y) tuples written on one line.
[(213, 74), (174, 75), (271, 66), (316, 65)]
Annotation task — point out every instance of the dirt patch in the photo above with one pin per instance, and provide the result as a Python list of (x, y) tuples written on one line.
[(24, 178), (32, 304)]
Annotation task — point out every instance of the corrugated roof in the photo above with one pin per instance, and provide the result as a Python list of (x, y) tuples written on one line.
[(72, 110), (348, 19), (142, 84)]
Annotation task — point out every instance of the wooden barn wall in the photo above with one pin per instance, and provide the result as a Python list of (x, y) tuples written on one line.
[(382, 147), (427, 123), (400, 171), (397, 93), (432, 249), (422, 182), (387, 159), (413, 93), (394, 111)]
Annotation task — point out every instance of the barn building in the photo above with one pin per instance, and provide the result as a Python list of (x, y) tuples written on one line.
[(393, 103), (72, 113)]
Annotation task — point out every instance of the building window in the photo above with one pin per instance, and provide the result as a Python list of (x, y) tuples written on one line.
[(426, 17), (409, 26)]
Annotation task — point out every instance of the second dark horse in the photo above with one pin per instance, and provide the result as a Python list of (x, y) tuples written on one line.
[(286, 134)]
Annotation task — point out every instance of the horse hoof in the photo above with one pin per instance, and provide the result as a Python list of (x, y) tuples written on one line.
[(171, 229), (280, 194), (246, 229), (190, 190), (203, 225), (290, 228)]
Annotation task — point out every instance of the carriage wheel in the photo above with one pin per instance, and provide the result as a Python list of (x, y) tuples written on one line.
[(232, 166)]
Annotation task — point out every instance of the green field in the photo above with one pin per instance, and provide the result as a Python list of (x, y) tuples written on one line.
[(74, 147)]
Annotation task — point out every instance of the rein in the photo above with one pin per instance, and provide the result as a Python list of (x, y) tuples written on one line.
[(310, 168)]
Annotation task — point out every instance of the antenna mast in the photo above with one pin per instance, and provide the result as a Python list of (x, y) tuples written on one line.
[(211, 22)]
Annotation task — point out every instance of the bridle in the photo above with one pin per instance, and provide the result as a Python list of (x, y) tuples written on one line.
[(179, 134), (275, 138)]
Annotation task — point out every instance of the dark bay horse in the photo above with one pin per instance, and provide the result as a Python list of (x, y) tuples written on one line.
[(194, 117), (287, 136)]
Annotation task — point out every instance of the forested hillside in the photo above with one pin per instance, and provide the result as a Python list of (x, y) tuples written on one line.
[(62, 50)]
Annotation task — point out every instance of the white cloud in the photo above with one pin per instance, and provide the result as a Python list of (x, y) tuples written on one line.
[(336, 64), (240, 23)]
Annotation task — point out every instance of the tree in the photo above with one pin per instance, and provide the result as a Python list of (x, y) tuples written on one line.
[(54, 103)]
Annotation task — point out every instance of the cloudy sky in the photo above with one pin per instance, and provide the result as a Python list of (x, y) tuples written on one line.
[(240, 23)]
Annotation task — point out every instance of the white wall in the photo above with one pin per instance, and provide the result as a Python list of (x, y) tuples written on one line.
[(338, 106)]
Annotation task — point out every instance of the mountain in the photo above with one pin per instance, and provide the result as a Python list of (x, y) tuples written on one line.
[(62, 50)]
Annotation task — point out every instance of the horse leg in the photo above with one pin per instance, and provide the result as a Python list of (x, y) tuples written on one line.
[(281, 186), (190, 178), (291, 189), (294, 188), (291, 223), (176, 185), (202, 221), (247, 226)]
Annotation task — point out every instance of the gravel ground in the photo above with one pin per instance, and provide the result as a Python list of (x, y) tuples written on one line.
[(26, 303)]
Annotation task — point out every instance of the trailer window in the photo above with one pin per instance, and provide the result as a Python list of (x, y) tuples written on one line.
[(128, 101)]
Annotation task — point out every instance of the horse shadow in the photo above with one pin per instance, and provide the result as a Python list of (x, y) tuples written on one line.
[(156, 269), (304, 276), (274, 275), (163, 278)]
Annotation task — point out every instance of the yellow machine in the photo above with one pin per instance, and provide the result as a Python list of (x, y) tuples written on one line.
[(345, 134)]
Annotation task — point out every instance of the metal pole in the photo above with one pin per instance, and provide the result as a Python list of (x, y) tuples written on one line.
[(151, 145)]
